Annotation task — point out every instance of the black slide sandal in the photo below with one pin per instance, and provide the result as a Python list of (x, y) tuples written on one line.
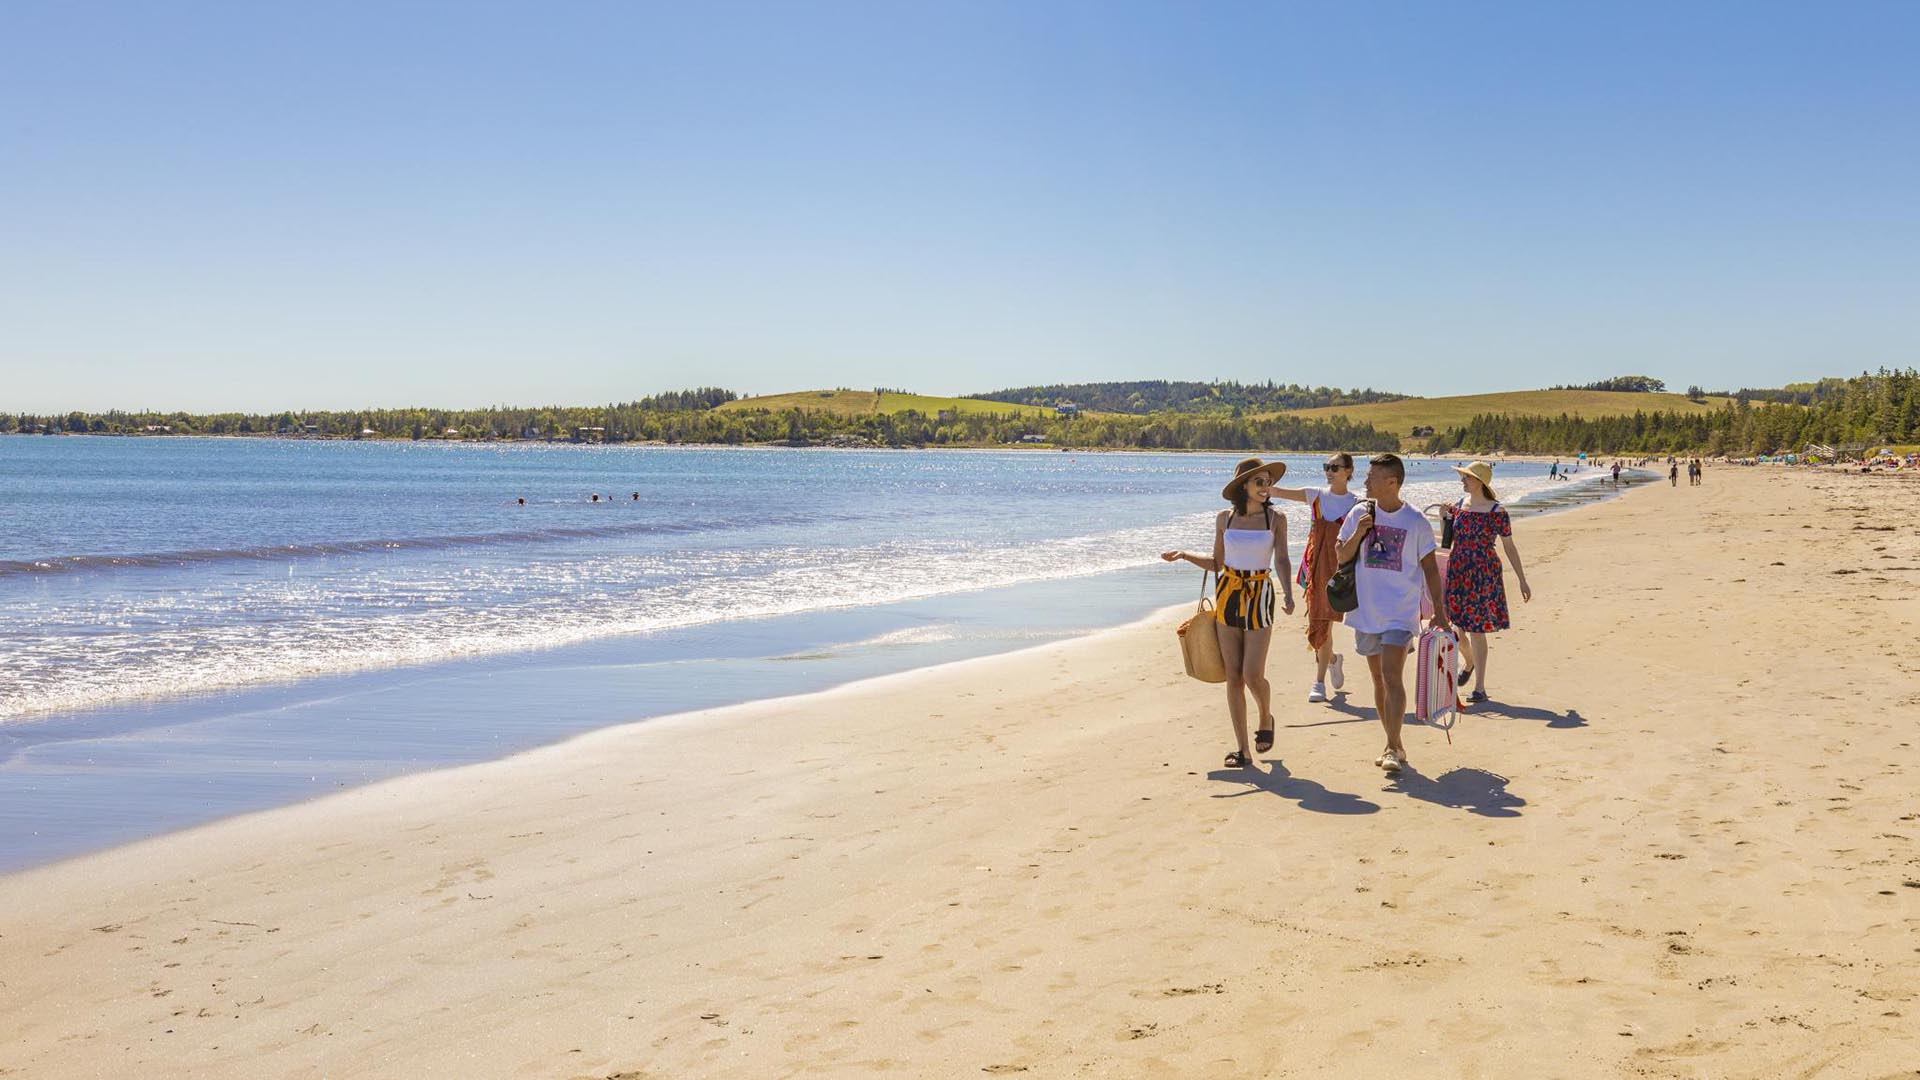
[(1263, 740), (1238, 760)]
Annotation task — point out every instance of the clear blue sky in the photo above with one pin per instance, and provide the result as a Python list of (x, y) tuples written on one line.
[(268, 205)]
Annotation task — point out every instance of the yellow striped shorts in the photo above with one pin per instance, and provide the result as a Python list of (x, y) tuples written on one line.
[(1243, 599)]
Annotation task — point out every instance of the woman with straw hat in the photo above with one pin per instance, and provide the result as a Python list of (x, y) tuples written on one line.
[(1476, 585), (1249, 542)]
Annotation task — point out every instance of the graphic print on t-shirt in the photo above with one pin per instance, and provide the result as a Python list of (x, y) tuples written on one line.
[(1384, 547)]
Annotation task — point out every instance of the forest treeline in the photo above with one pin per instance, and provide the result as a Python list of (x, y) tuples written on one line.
[(1875, 408), (1629, 384), (690, 417), (1871, 409), (1201, 398)]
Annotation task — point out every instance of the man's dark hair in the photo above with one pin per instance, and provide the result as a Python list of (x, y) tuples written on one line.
[(1391, 463)]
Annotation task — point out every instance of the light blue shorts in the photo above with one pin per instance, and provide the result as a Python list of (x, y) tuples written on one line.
[(1370, 644)]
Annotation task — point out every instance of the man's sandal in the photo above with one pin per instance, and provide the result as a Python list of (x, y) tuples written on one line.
[(1238, 760)]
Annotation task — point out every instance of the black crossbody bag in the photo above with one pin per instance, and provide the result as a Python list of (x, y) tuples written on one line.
[(1343, 594)]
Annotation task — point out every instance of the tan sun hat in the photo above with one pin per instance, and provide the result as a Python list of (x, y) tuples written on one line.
[(1480, 471), (1248, 467)]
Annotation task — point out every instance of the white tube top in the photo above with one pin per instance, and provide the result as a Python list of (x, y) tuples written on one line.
[(1248, 550)]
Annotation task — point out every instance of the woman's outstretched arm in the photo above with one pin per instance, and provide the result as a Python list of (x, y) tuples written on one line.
[(1213, 564), (1188, 556)]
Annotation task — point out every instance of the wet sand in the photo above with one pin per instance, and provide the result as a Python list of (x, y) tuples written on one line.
[(1681, 842)]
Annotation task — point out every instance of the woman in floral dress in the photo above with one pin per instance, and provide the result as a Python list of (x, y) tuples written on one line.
[(1476, 588)]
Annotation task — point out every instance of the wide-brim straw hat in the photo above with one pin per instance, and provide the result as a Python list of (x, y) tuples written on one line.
[(1480, 471), (1247, 468)]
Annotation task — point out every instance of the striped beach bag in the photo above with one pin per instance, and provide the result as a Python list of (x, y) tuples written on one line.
[(1437, 663)]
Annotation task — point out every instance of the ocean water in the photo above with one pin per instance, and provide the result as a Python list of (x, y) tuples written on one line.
[(199, 627)]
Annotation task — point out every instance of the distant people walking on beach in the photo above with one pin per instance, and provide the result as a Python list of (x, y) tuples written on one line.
[(1396, 549), (1673, 475), (1326, 507), (1553, 472), (1476, 585), (1694, 471), (1616, 474), (1249, 541)]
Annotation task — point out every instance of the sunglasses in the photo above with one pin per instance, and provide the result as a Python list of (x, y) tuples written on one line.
[(1334, 468), (1259, 480)]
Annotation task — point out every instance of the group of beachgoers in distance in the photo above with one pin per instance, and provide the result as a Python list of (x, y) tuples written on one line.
[(1402, 566)]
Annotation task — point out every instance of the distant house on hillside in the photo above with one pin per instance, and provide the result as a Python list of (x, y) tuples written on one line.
[(589, 434), (1842, 452), (1033, 438), (1066, 408)]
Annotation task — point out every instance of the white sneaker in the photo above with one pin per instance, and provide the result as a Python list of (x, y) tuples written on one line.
[(1335, 673), (1392, 761), (1316, 692)]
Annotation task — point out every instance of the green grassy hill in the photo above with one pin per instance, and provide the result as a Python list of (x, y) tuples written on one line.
[(1401, 417), (867, 403)]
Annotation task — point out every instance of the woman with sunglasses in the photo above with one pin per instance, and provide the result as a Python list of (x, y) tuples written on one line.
[(1249, 541), (1326, 507)]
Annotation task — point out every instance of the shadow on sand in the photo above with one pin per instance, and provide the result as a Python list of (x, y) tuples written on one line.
[(1353, 714), (1476, 791), (1278, 781), (1569, 719)]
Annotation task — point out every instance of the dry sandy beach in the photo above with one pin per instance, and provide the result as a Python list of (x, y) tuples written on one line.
[(1684, 841)]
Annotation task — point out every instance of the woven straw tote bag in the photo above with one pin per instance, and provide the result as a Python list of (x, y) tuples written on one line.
[(1199, 644)]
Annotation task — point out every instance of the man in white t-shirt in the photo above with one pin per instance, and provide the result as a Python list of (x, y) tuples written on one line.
[(1396, 563)]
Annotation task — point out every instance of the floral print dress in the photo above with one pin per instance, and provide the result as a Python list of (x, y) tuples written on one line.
[(1476, 585)]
